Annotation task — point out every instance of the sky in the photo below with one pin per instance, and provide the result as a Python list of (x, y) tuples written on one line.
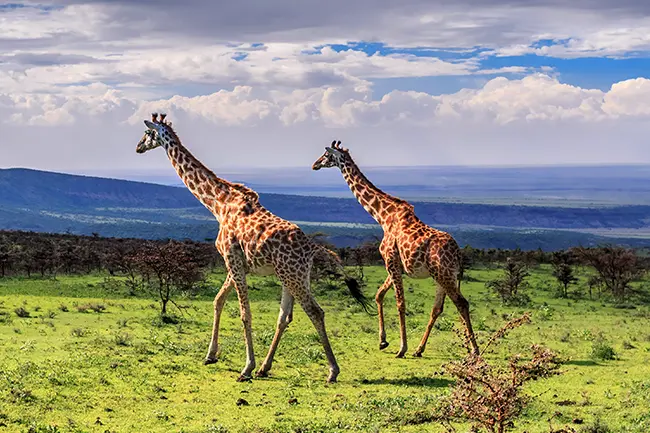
[(269, 83)]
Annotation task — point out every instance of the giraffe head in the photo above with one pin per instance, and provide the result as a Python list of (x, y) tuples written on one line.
[(159, 133), (334, 156)]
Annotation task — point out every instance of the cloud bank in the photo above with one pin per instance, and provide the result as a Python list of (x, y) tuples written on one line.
[(280, 80)]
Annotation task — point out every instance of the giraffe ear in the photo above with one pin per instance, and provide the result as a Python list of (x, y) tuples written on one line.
[(149, 124)]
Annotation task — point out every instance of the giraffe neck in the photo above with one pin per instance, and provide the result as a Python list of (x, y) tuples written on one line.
[(213, 192), (376, 202)]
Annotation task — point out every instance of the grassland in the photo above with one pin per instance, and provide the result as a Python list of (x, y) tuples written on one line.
[(67, 368)]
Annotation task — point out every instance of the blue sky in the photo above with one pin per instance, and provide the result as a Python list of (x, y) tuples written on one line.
[(469, 82), (588, 72)]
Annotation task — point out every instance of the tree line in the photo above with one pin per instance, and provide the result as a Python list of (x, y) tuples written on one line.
[(168, 266)]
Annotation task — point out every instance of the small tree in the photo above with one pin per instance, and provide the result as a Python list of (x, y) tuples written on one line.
[(320, 269), (563, 271), (489, 395), (123, 257), (8, 254), (513, 281), (169, 269), (617, 267)]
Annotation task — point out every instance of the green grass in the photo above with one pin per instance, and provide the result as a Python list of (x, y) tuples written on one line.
[(122, 370)]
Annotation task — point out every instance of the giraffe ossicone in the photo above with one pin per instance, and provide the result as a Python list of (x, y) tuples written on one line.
[(251, 239), (408, 247)]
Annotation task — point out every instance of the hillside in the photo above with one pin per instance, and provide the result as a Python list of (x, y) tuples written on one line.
[(55, 202)]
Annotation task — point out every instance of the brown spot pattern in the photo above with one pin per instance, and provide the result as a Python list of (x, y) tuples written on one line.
[(251, 239), (408, 247)]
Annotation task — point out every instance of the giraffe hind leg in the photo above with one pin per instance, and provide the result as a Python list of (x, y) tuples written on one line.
[(463, 308), (436, 311), (284, 319), (317, 316)]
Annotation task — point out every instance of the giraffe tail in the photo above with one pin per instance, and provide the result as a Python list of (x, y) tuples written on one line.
[(337, 270)]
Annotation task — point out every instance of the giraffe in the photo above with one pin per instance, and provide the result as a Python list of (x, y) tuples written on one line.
[(408, 247), (251, 239)]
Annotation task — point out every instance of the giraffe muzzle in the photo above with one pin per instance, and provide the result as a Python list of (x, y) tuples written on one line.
[(317, 165)]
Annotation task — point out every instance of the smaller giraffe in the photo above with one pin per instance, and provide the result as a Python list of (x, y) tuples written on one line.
[(408, 247), (251, 240)]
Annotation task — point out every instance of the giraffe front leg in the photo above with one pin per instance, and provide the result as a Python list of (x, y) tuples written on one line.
[(379, 299), (246, 317), (284, 319), (401, 310), (219, 301), (235, 264)]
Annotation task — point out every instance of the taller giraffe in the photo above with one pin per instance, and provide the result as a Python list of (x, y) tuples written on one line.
[(408, 247), (251, 240)]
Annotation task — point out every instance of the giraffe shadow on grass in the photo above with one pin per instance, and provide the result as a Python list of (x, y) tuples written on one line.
[(423, 382)]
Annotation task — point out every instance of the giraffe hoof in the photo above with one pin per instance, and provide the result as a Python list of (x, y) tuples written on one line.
[(262, 374), (400, 355), (210, 361), (243, 378), (383, 345), (418, 354), (331, 380)]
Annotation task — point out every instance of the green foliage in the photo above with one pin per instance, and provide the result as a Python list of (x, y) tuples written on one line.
[(91, 366), (603, 351), (512, 283), (598, 426)]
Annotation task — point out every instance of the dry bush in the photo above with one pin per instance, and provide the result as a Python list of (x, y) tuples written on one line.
[(490, 396)]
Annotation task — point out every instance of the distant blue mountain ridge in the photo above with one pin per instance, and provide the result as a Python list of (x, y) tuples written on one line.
[(57, 202)]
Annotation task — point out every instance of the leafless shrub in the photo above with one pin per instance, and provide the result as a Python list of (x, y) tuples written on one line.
[(490, 395)]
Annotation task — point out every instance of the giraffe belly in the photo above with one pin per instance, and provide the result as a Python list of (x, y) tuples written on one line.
[(418, 272), (262, 271)]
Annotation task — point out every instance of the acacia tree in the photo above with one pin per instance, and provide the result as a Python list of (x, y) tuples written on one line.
[(319, 271), (169, 269), (491, 395), (562, 262), (8, 254), (122, 257), (512, 282), (617, 267)]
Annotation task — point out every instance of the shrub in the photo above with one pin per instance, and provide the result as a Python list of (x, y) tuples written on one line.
[(4, 317), (97, 308), (122, 339), (510, 285), (491, 396), (603, 351), (78, 332), (444, 324), (596, 427), (21, 312)]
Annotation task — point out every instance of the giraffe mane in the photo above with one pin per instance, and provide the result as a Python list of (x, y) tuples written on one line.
[(249, 193), (336, 144), (241, 188)]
